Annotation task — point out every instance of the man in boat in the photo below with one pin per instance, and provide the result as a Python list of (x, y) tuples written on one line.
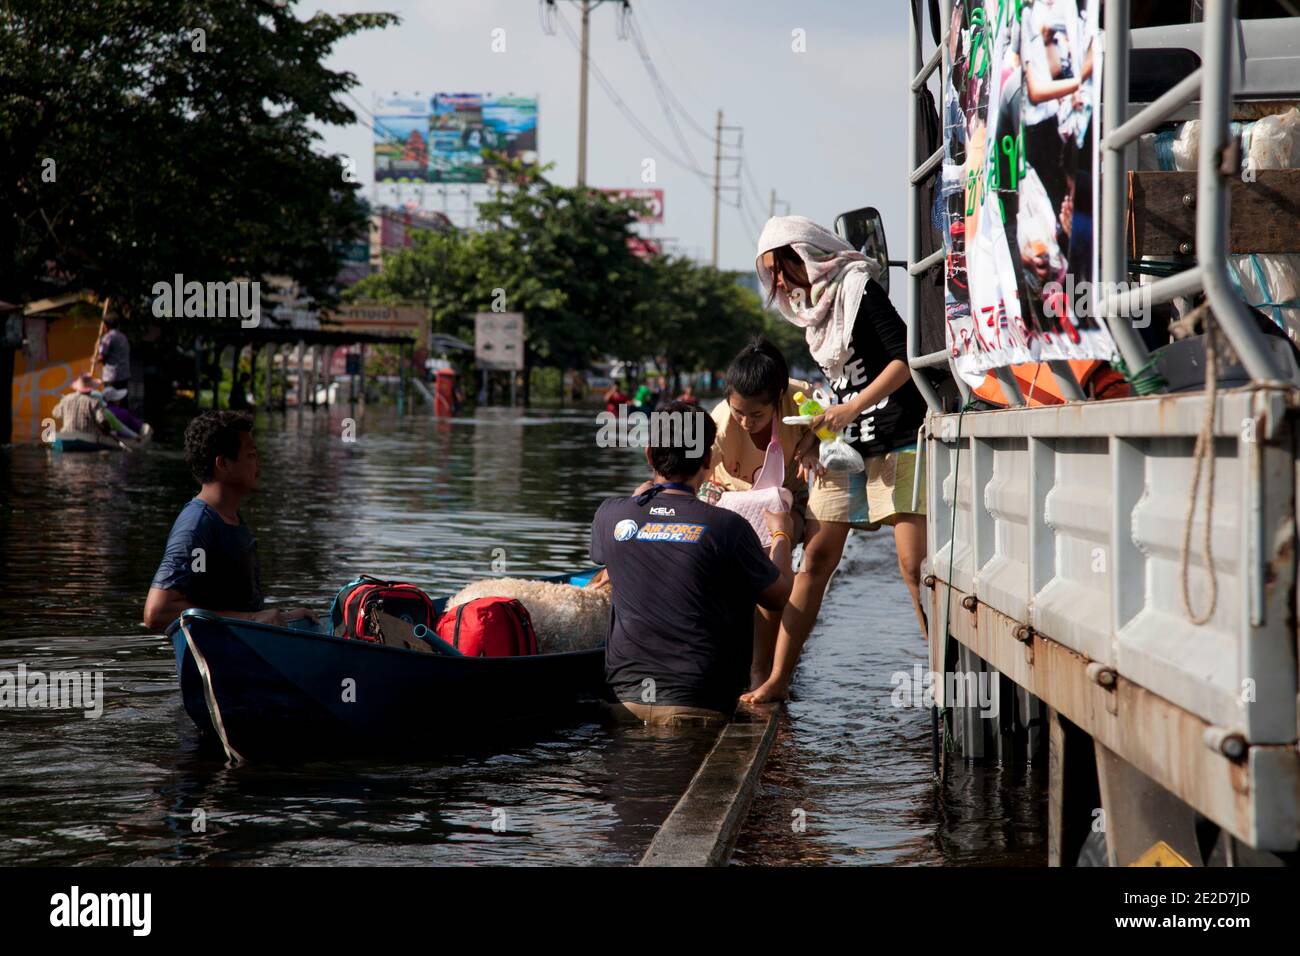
[(211, 557), (115, 354), (84, 414), (686, 577)]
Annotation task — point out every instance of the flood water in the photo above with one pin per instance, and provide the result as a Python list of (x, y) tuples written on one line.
[(438, 503)]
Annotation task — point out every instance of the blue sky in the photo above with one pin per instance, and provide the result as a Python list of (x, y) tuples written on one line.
[(826, 128)]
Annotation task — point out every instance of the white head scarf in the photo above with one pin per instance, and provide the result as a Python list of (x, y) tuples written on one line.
[(838, 275)]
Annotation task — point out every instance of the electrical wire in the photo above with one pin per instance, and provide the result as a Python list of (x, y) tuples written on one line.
[(657, 83), (623, 108), (685, 113)]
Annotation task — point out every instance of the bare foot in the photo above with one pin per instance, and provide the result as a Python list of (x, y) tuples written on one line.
[(772, 689)]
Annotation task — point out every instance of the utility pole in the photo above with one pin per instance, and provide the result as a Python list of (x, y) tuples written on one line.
[(771, 206), (584, 65), (717, 186), (582, 93)]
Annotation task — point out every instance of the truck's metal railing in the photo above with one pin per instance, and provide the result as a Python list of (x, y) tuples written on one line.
[(1212, 81), (922, 168)]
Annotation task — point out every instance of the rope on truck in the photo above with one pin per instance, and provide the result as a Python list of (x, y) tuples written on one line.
[(1202, 454)]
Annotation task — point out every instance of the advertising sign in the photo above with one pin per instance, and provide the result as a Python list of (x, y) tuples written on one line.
[(1020, 184), (410, 320), (441, 138)]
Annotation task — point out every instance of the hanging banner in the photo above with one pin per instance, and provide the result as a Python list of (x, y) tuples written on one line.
[(1020, 184)]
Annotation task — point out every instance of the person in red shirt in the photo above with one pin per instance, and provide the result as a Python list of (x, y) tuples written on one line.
[(614, 398), (688, 396)]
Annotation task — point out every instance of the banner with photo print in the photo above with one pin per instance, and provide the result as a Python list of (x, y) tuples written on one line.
[(1020, 177)]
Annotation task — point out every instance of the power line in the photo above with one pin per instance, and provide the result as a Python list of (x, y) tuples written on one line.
[(758, 197), (376, 126), (660, 88), (690, 120), (751, 220), (623, 108)]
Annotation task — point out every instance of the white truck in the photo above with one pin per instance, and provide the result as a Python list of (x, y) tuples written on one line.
[(1066, 561)]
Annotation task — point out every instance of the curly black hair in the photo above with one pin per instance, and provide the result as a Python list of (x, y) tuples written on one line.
[(212, 434)]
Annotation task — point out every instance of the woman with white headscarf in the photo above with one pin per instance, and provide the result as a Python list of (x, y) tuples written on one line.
[(821, 283)]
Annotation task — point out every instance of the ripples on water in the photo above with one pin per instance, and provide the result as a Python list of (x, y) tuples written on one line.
[(860, 769), (434, 502)]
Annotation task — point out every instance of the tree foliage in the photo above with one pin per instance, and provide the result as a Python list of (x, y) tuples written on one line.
[(145, 138), (561, 256)]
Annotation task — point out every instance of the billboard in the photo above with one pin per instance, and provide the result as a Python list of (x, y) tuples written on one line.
[(441, 138), (1020, 177), (652, 201)]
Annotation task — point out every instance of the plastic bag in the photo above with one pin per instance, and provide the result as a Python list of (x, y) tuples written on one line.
[(839, 455), (1271, 282), (835, 453)]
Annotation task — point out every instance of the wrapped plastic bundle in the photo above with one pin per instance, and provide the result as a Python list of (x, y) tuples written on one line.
[(1269, 282)]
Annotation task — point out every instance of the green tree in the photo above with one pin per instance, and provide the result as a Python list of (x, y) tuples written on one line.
[(144, 138), (561, 256)]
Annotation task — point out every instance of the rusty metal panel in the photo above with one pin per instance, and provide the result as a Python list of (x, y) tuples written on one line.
[(1071, 519), (1073, 603), (1005, 515)]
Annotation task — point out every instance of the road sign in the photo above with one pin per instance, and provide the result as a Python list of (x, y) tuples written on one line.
[(499, 340)]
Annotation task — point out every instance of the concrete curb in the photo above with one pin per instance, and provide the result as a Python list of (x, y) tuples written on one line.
[(703, 826)]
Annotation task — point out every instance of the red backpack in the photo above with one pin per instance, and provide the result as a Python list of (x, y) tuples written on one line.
[(353, 613), (489, 627)]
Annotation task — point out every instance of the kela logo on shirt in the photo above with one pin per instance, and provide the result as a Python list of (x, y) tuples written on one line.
[(625, 530), (664, 512)]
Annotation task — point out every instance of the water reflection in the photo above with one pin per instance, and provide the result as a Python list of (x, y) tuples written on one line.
[(428, 501), (855, 772), (417, 499)]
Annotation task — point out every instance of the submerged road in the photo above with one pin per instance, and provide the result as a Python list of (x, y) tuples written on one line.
[(438, 503)]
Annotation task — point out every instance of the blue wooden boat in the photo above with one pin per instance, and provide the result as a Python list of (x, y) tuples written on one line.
[(262, 690)]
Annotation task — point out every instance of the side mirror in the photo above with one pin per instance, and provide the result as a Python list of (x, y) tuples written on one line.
[(864, 230)]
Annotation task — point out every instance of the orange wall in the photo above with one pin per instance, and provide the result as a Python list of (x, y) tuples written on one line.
[(37, 388)]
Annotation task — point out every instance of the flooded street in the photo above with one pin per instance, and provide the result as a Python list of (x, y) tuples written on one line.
[(860, 769), (438, 503)]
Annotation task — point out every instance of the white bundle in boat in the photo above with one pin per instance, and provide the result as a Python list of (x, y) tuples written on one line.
[(565, 617)]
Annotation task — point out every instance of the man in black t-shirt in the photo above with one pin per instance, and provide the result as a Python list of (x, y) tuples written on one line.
[(686, 577)]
